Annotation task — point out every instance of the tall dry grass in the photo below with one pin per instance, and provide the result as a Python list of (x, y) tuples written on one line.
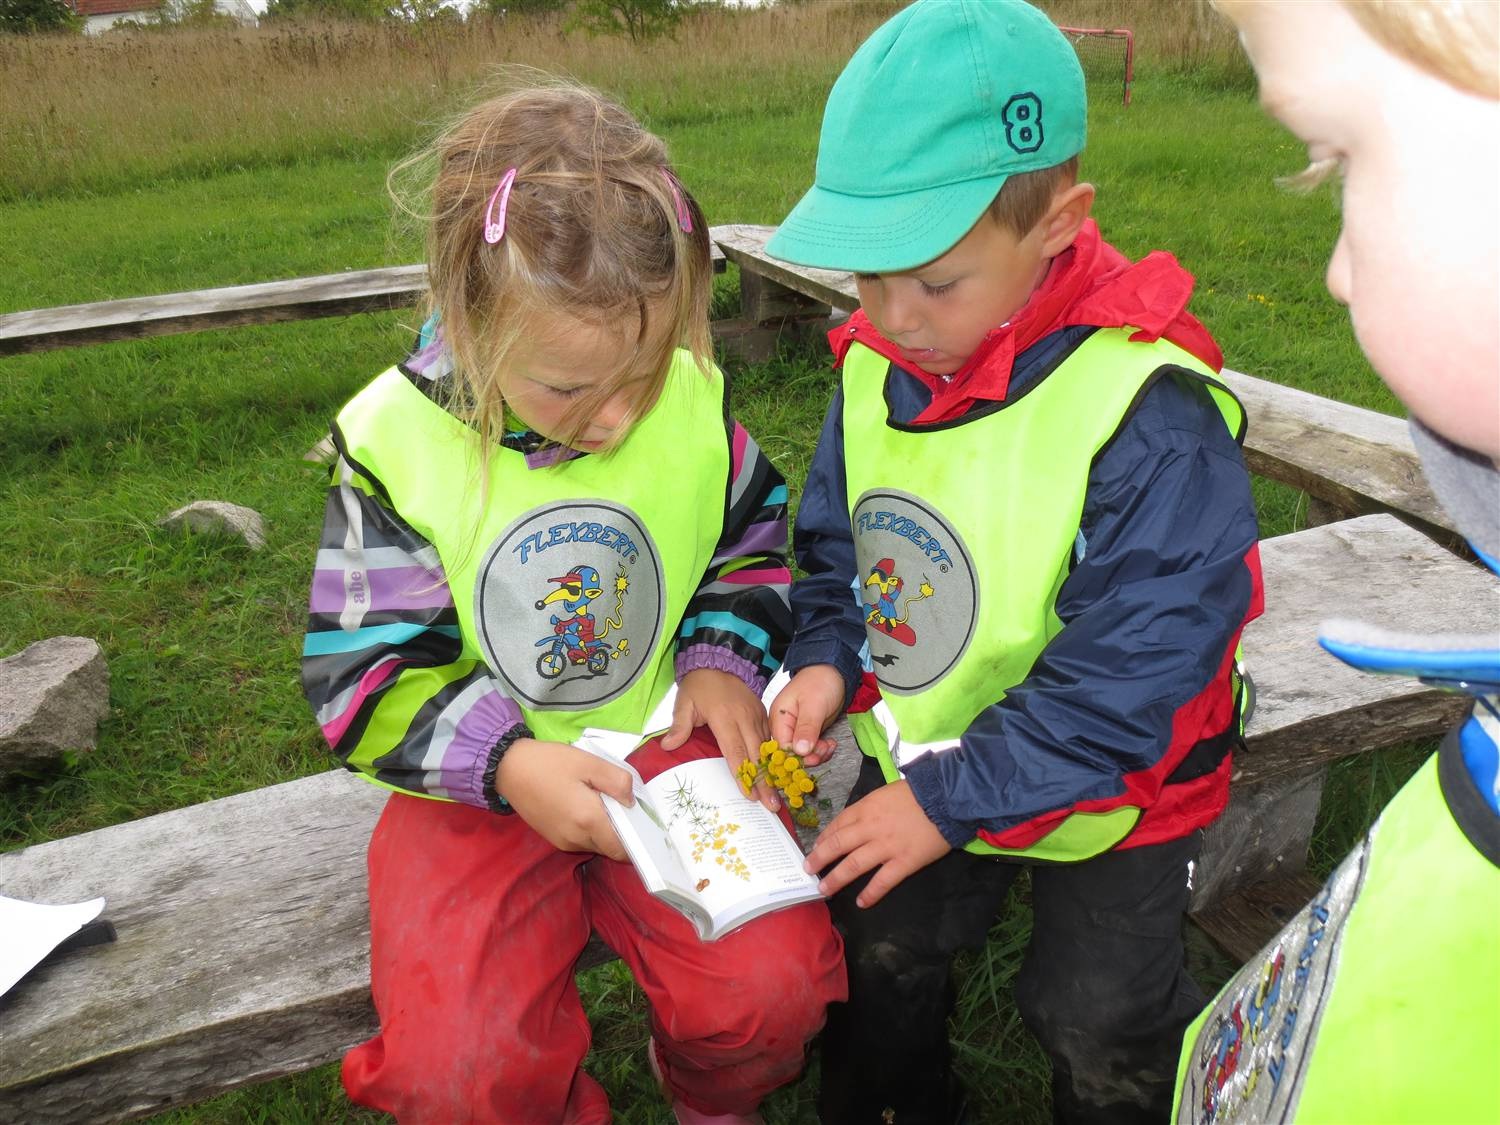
[(1179, 35), (129, 108), (87, 114)]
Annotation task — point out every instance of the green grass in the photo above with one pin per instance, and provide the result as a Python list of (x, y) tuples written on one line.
[(202, 638)]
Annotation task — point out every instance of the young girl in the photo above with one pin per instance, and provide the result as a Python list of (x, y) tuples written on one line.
[(536, 524)]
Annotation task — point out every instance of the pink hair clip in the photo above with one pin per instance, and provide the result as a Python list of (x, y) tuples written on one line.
[(684, 216), (494, 219)]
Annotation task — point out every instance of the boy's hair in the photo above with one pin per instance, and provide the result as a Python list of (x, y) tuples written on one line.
[(1455, 40), (592, 231), (1024, 198)]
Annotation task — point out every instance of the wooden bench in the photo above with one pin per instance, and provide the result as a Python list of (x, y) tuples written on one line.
[(242, 948), (270, 302)]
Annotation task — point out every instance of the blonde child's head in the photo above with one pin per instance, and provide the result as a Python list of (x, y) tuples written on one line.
[(566, 262), (1403, 99)]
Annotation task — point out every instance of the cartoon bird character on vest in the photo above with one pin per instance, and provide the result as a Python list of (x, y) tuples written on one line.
[(882, 613), (575, 593)]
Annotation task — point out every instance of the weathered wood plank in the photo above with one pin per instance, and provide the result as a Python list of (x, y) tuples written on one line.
[(271, 302), (745, 245), (764, 301), (1354, 460), (751, 342), (242, 944), (1263, 834), (1242, 925), (1312, 708)]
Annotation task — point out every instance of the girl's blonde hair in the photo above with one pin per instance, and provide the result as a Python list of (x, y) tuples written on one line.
[(594, 230), (1455, 40)]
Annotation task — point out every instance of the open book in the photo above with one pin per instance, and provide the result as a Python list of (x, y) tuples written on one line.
[(702, 846)]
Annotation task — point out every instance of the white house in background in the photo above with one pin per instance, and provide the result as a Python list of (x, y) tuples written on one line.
[(241, 10), (101, 15)]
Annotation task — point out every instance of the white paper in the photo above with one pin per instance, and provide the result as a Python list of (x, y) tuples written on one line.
[(773, 689), (30, 930)]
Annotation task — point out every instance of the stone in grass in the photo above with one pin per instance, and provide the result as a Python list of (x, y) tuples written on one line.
[(53, 695), (217, 517), (323, 452)]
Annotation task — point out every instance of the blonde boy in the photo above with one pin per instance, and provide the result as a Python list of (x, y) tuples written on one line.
[(1381, 1001)]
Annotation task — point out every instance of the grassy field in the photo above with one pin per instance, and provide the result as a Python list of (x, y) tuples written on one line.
[(155, 163)]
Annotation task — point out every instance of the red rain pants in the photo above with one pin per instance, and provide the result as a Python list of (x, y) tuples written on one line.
[(475, 925)]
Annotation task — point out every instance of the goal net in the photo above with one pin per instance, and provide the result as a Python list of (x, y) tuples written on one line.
[(1107, 55)]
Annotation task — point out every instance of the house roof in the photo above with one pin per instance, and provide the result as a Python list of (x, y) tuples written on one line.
[(113, 7)]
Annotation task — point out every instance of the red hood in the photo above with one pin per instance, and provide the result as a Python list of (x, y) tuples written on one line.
[(1089, 283)]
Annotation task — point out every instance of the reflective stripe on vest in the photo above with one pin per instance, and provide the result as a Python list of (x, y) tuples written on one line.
[(963, 534), (569, 581)]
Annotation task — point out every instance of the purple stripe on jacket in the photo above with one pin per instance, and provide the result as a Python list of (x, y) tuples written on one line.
[(765, 538), (695, 657), (468, 752), (392, 588)]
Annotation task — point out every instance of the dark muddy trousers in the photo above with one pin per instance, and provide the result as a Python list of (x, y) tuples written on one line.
[(1104, 986)]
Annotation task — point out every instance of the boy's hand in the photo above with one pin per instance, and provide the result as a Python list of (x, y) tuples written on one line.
[(555, 789), (804, 708), (732, 712), (886, 830)]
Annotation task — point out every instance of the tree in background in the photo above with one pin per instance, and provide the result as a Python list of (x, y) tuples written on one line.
[(639, 19), (22, 17), (192, 13), (365, 10), (423, 12), (522, 7)]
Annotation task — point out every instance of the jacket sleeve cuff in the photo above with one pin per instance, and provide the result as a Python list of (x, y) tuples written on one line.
[(806, 653), (926, 780), (694, 657), (493, 800)]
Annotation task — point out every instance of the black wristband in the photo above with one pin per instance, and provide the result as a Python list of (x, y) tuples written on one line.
[(498, 803)]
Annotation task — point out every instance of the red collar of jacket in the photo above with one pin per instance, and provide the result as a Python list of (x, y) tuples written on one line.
[(1089, 283)]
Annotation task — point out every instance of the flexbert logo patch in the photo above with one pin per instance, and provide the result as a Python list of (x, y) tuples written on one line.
[(568, 604), (916, 590)]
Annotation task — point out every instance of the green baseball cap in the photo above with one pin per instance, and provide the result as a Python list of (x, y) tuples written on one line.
[(944, 102)]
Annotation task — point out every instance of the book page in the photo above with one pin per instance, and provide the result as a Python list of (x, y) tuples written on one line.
[(700, 844), (643, 833), (738, 855)]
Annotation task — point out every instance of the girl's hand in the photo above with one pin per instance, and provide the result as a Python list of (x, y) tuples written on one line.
[(733, 713), (555, 789), (803, 710)]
